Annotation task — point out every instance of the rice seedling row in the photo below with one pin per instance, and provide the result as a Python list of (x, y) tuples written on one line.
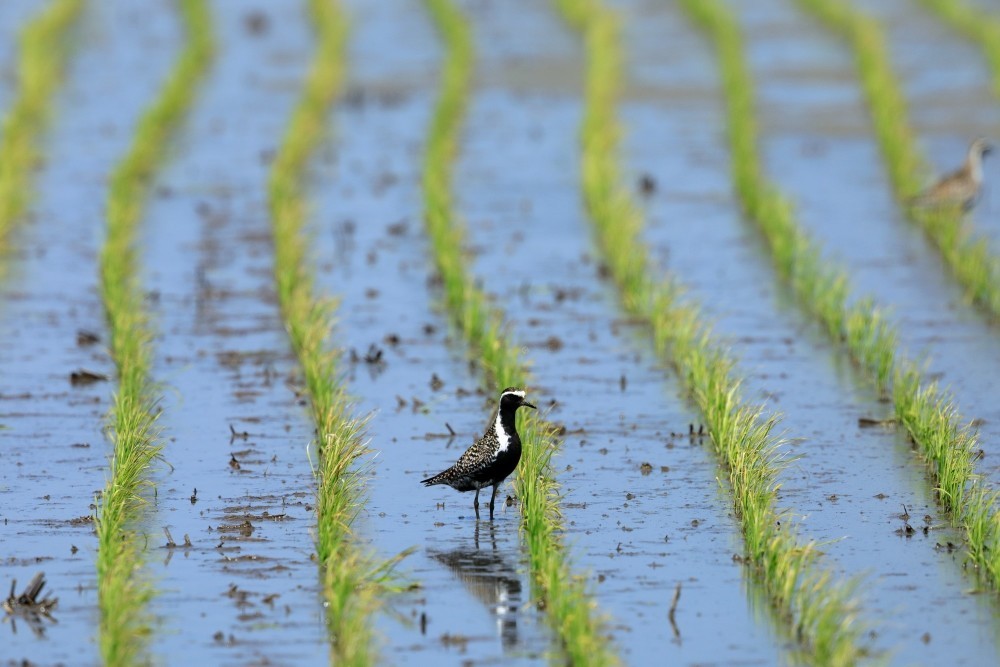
[(647, 512), (237, 583), (823, 613), (977, 25), (848, 477), (123, 591), (969, 258), (403, 363), (567, 602), (50, 427), (927, 412), (350, 580), (41, 59)]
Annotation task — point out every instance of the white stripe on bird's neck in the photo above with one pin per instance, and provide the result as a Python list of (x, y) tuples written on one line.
[(502, 438)]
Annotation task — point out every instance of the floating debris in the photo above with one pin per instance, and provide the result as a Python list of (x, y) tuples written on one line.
[(234, 434), (82, 378), (647, 185), (868, 422), (85, 338), (373, 355), (29, 606), (673, 611)]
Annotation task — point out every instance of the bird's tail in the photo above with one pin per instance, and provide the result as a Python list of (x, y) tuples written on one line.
[(436, 479)]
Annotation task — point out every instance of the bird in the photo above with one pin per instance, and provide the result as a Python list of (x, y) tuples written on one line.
[(959, 188), (492, 457)]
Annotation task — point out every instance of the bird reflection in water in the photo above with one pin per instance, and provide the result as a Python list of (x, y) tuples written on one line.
[(491, 579)]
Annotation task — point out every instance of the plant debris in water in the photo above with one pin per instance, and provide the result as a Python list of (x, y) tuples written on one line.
[(30, 606)]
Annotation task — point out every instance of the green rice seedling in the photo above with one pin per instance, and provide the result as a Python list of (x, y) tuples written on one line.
[(823, 288), (822, 614), (569, 607), (978, 25), (44, 48), (122, 591), (970, 260), (351, 581)]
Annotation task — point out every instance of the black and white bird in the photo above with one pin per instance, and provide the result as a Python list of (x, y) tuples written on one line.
[(492, 457), (960, 188)]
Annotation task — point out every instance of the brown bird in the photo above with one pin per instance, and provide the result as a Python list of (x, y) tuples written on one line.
[(960, 188), (492, 457)]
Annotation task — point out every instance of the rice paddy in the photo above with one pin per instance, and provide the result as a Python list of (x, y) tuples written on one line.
[(123, 590), (348, 580), (567, 602), (924, 410), (970, 260), (267, 267), (822, 611)]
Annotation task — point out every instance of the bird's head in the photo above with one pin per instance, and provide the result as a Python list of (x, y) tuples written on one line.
[(512, 398), (981, 148)]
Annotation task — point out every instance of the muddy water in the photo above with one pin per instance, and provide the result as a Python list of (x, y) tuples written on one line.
[(854, 216), (847, 483), (53, 447), (240, 484), (644, 509), (474, 603)]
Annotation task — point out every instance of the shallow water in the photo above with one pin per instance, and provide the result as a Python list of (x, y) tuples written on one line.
[(240, 483), (888, 257), (842, 472), (474, 602), (644, 506), (695, 228), (53, 446), (644, 510)]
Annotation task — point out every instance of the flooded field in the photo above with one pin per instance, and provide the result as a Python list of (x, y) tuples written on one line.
[(649, 525)]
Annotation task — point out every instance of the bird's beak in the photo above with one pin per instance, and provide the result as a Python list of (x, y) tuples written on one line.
[(528, 405), (987, 149)]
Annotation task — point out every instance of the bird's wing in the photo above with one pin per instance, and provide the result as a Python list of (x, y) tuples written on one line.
[(953, 188)]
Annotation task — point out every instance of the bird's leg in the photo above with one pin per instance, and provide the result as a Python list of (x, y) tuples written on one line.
[(475, 503), (492, 498)]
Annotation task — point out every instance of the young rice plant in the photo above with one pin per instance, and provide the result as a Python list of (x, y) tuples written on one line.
[(822, 613), (568, 606)]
